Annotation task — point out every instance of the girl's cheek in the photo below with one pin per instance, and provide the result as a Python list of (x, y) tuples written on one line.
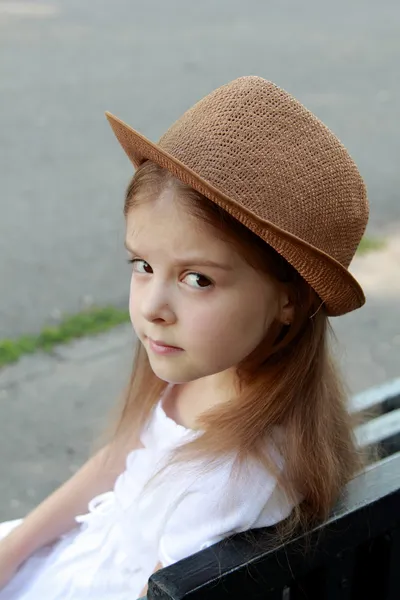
[(204, 326), (132, 309), (131, 313), (132, 316)]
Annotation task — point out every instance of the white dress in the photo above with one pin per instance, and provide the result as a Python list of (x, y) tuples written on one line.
[(116, 546)]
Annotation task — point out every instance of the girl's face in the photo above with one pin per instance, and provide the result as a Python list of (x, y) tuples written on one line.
[(217, 314)]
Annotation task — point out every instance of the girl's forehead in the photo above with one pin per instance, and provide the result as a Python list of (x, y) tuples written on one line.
[(169, 222), (165, 204)]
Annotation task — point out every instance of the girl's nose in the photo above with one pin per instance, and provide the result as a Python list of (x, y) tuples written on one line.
[(157, 303)]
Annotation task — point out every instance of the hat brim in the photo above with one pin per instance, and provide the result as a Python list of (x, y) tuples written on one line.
[(337, 288)]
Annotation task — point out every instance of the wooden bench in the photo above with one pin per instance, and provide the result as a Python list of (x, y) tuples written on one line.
[(355, 555)]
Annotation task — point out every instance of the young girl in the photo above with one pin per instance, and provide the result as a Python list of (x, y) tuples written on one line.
[(240, 224)]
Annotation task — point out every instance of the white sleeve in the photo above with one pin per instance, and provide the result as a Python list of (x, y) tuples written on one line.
[(217, 508)]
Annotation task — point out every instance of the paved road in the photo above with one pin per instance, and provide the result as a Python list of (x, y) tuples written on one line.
[(63, 63)]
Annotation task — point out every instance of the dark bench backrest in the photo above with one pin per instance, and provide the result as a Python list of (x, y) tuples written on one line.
[(354, 555)]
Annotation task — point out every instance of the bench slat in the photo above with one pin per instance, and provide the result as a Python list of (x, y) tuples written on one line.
[(374, 396), (378, 429)]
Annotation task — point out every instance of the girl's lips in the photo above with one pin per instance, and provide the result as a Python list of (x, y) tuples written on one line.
[(160, 348), (160, 343)]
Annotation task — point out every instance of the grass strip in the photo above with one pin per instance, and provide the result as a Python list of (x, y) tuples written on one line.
[(369, 244), (88, 322)]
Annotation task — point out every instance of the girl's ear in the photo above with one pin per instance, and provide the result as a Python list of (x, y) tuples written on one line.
[(286, 308)]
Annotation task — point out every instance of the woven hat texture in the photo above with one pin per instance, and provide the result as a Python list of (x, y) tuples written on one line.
[(257, 152)]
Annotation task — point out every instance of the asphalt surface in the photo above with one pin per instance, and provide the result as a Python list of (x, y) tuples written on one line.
[(63, 63)]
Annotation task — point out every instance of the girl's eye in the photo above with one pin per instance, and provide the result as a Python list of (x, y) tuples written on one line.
[(134, 261), (205, 283), (205, 280)]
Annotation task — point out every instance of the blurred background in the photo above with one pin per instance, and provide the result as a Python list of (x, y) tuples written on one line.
[(63, 177)]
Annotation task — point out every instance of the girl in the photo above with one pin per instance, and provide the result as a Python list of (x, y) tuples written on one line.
[(240, 224)]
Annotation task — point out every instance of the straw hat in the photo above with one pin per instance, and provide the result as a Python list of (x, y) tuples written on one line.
[(254, 150)]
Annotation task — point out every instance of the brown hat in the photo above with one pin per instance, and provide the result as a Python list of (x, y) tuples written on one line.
[(254, 150)]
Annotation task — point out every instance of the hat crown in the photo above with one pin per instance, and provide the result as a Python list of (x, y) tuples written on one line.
[(261, 147)]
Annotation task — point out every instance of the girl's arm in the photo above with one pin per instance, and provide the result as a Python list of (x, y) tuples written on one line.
[(56, 515)]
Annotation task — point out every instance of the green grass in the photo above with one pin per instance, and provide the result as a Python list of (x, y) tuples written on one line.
[(369, 244), (92, 321)]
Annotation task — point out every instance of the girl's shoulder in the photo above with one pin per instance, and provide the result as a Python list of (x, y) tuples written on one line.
[(222, 500)]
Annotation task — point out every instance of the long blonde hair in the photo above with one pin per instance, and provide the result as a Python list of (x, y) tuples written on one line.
[(290, 381)]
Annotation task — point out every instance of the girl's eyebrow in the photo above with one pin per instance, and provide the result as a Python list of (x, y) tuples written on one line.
[(185, 262)]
